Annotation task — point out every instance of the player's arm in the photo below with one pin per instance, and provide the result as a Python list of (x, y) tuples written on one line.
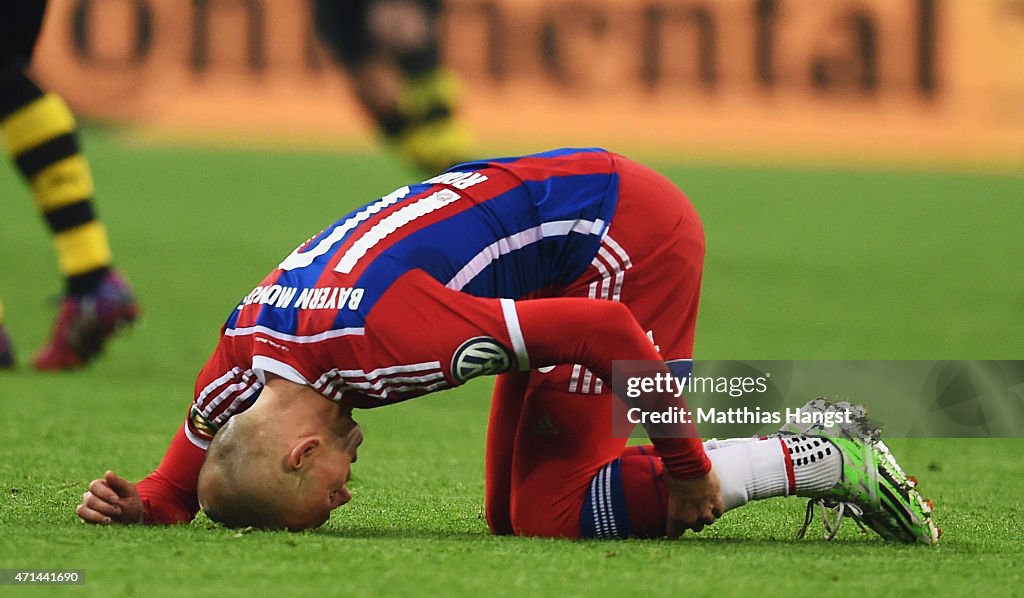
[(166, 496), (169, 493)]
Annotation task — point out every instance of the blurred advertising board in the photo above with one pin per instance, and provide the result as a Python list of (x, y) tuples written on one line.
[(903, 81)]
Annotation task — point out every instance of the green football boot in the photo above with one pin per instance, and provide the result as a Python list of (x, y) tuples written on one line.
[(873, 489)]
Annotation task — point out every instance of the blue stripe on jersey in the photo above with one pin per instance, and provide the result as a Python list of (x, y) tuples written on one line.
[(233, 318), (443, 248), (356, 220), (576, 197), (555, 261), (286, 319), (556, 258), (506, 277)]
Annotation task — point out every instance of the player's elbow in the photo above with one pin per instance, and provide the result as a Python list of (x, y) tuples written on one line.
[(584, 331), (613, 327)]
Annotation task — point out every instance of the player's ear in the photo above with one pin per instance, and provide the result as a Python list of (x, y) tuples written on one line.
[(301, 452)]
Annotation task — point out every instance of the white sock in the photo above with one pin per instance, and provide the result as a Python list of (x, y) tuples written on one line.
[(753, 469), (817, 464), (714, 443)]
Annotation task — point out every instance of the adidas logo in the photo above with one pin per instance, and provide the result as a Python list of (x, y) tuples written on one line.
[(545, 427)]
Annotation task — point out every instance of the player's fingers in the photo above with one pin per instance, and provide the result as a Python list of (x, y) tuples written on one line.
[(103, 491), (94, 503), (88, 515), (121, 486)]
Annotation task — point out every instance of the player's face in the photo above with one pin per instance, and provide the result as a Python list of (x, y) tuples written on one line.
[(327, 480)]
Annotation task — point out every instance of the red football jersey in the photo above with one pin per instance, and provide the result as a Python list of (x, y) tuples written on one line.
[(421, 290)]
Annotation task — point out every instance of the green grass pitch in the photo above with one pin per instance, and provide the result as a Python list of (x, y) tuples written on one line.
[(801, 264)]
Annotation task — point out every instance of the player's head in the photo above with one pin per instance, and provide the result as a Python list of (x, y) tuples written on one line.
[(258, 474)]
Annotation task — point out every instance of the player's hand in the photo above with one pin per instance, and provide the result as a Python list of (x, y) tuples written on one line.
[(692, 504), (111, 499)]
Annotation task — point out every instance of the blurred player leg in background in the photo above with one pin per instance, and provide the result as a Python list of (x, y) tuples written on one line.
[(6, 349), (390, 49), (41, 137)]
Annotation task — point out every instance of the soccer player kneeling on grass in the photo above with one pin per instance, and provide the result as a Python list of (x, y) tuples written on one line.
[(541, 269)]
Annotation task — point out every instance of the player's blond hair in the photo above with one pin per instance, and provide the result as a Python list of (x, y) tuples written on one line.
[(243, 482)]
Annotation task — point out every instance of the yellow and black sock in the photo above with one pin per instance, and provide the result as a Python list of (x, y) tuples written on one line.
[(40, 134)]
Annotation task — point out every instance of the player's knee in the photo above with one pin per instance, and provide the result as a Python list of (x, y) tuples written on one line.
[(617, 326), (399, 26), (542, 515)]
